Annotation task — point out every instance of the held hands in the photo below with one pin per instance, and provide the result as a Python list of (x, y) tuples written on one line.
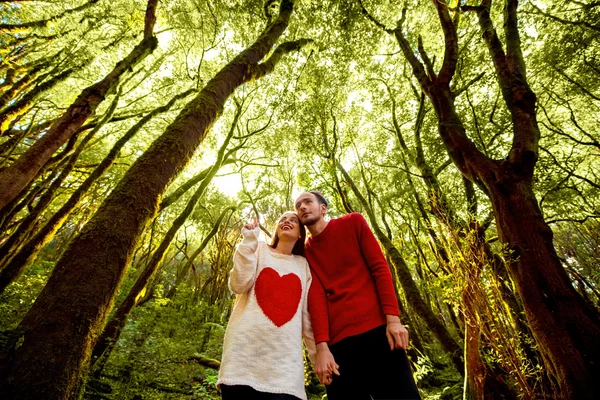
[(325, 365), (396, 333), (252, 225)]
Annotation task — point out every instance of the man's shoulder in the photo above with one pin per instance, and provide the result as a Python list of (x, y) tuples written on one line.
[(351, 218), (347, 224)]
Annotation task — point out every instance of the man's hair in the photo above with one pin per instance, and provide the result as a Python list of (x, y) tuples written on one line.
[(319, 197)]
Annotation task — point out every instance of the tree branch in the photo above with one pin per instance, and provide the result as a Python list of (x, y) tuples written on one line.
[(451, 43), (567, 22), (268, 65), (513, 41), (425, 58), (45, 22), (150, 20), (458, 92)]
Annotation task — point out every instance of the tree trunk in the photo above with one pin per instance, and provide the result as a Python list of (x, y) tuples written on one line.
[(14, 178), (482, 382), (474, 388), (48, 355), (566, 329), (17, 264), (205, 361)]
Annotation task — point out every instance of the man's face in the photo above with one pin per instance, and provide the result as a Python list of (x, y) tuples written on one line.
[(308, 208)]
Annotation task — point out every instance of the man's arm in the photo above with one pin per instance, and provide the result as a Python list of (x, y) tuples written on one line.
[(317, 307), (325, 364), (377, 264), (396, 332)]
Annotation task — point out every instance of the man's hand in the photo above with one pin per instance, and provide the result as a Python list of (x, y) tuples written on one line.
[(396, 333), (325, 365)]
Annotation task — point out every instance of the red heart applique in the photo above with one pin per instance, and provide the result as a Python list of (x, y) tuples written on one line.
[(278, 296)]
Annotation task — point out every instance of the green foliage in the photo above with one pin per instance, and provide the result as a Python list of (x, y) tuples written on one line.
[(151, 359), (333, 102), (16, 300)]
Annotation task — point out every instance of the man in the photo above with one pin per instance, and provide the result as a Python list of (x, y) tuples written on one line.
[(360, 340)]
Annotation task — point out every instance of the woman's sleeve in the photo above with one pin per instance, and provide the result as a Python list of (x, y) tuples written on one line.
[(307, 332), (245, 262)]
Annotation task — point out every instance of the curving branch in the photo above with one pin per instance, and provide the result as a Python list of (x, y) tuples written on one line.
[(269, 64), (426, 59), (45, 22), (493, 43), (563, 21), (559, 165)]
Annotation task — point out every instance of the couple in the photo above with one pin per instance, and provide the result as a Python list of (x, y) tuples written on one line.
[(348, 305)]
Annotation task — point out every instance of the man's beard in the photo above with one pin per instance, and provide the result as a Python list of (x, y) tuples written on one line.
[(310, 220)]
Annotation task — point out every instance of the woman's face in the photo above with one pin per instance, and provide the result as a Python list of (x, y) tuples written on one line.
[(288, 226)]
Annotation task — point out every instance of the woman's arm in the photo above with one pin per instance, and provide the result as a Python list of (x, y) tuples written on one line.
[(307, 332), (245, 262)]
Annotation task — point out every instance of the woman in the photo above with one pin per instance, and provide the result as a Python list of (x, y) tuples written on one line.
[(262, 352)]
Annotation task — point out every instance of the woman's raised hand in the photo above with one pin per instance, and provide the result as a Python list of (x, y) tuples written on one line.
[(252, 225)]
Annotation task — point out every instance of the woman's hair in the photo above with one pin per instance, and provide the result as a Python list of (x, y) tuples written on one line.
[(299, 246)]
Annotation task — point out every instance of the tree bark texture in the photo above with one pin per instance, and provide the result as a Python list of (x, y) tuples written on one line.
[(11, 269), (50, 351), (117, 323), (14, 178)]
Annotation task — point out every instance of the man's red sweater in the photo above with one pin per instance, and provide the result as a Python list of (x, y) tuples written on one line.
[(352, 286)]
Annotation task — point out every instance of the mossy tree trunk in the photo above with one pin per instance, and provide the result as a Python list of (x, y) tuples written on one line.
[(48, 354), (114, 327), (15, 178), (15, 264)]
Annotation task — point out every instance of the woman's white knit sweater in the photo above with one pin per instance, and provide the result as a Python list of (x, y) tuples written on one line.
[(263, 340)]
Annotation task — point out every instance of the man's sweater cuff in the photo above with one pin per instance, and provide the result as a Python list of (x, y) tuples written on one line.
[(323, 337), (391, 310)]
